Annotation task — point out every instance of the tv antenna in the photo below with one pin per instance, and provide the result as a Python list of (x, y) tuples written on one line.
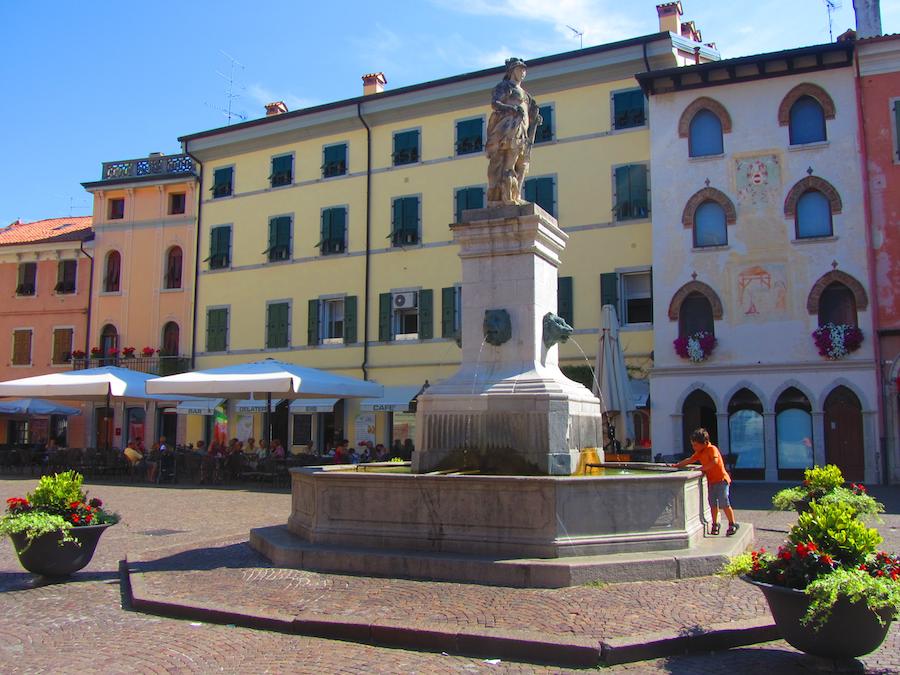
[(580, 34), (830, 6), (230, 93)]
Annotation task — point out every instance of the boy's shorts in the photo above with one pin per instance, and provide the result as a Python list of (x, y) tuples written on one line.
[(718, 495)]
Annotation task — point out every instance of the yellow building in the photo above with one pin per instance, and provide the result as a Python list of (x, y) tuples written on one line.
[(142, 299), (324, 233)]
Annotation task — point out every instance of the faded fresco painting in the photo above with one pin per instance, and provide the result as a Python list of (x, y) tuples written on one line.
[(762, 291), (758, 180)]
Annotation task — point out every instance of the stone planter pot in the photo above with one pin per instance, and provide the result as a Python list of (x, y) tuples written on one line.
[(852, 629), (46, 557)]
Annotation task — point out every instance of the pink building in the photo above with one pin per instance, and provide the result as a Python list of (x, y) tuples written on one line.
[(45, 278)]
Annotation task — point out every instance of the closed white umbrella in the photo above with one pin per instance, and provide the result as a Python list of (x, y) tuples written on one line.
[(612, 375)]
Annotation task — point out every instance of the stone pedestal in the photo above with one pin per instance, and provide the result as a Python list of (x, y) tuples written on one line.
[(509, 409)]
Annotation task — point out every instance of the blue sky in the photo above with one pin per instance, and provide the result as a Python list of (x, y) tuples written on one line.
[(99, 81)]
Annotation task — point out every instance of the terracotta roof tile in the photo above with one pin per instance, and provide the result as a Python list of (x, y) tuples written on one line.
[(73, 228)]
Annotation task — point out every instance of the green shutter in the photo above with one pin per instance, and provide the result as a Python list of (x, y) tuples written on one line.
[(277, 328), (396, 219), (448, 312), (216, 330), (564, 300), (350, 320), (220, 246), (468, 198), (282, 164), (609, 290), (461, 202), (545, 131), (384, 317), (426, 314), (325, 234), (628, 109), (469, 136), (312, 323), (411, 214), (623, 195), (339, 226), (540, 191), (639, 195), (283, 232)]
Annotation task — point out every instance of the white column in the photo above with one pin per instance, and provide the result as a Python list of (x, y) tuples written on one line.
[(818, 425), (771, 446)]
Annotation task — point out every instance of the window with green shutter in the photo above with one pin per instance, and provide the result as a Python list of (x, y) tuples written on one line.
[(469, 136), (426, 314), (468, 198), (628, 109), (220, 247), (632, 196), (223, 182), (609, 290), (277, 325), (334, 160), (282, 170), (334, 230), (565, 304), (384, 317), (312, 323), (279, 238), (406, 147), (451, 307), (27, 279), (65, 276), (540, 191), (350, 311), (405, 222), (217, 329), (544, 132)]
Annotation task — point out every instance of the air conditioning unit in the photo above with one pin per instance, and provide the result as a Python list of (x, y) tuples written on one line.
[(405, 300)]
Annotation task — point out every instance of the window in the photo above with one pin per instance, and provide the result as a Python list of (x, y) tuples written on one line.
[(109, 340), (27, 279), (469, 136), (541, 192), (695, 315), (173, 268), (628, 109), (176, 203), (279, 239), (632, 196), (807, 121), (220, 247), (451, 312), (223, 182), (334, 160), (62, 345), (813, 216), (793, 430), (278, 329), (544, 132), (637, 298), (332, 320), (745, 432), (332, 323), (406, 147), (113, 272), (217, 329), (405, 222), (171, 335), (405, 315), (334, 231), (282, 170), (21, 355), (65, 276), (837, 305), (565, 304), (709, 225), (116, 209), (468, 198), (705, 134)]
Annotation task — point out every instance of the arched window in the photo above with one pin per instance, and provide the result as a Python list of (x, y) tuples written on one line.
[(745, 432), (109, 339), (705, 134), (837, 305), (709, 225), (813, 216), (807, 121), (173, 268), (113, 272), (695, 315), (170, 337), (699, 410), (793, 433)]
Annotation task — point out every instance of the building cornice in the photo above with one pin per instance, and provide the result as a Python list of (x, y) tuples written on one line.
[(707, 368), (878, 57)]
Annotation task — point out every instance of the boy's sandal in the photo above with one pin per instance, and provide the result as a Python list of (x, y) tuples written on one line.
[(714, 529), (732, 529)]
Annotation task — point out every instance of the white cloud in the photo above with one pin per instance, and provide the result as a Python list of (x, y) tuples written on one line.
[(261, 95)]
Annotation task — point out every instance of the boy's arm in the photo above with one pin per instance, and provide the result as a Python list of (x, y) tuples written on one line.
[(685, 462)]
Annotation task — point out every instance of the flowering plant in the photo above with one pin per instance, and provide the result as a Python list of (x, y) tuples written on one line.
[(148, 352), (96, 352), (57, 504), (696, 346), (128, 352), (836, 340), (826, 484), (78, 354), (112, 351)]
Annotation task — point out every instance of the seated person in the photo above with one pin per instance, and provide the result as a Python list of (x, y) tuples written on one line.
[(152, 462), (277, 449), (132, 455)]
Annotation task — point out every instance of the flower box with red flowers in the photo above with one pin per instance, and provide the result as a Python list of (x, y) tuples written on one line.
[(96, 352), (697, 346), (128, 352), (147, 352), (835, 340)]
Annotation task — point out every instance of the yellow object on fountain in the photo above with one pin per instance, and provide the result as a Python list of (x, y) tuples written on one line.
[(588, 456)]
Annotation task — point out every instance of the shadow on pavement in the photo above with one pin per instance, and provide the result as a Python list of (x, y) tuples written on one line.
[(233, 556), (25, 581), (748, 660), (758, 496)]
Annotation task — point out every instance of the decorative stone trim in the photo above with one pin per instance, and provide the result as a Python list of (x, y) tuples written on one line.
[(807, 184), (859, 293), (805, 89), (712, 195), (716, 108), (695, 287)]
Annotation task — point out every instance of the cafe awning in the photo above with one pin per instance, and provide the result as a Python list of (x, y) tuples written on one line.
[(255, 405), (395, 399), (199, 406), (313, 405)]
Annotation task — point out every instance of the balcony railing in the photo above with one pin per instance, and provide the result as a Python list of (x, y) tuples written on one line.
[(153, 365), (161, 165)]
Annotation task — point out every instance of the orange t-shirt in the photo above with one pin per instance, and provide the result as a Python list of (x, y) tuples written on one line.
[(710, 454)]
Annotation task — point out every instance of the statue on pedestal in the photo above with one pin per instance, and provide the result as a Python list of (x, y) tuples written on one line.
[(510, 135)]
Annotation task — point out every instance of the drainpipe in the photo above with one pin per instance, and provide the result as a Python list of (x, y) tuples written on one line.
[(365, 362), (196, 257), (870, 255), (87, 331)]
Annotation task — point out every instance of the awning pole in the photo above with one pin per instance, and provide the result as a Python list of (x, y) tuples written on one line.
[(268, 430), (106, 421)]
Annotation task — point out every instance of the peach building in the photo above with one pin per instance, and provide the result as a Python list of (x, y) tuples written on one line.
[(45, 273)]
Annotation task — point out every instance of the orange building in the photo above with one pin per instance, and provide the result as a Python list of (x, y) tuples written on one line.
[(45, 279)]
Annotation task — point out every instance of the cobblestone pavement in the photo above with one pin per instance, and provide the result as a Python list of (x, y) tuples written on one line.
[(192, 543)]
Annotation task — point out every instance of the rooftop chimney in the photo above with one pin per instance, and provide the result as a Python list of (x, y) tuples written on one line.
[(275, 108), (690, 31), (868, 18), (373, 83), (670, 17)]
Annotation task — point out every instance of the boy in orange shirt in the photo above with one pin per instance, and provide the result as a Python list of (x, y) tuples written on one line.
[(713, 467)]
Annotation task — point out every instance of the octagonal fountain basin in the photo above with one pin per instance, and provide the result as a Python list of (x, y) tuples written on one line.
[(626, 508)]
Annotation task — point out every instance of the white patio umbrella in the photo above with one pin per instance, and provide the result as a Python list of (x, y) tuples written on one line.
[(612, 375), (36, 406), (264, 379)]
